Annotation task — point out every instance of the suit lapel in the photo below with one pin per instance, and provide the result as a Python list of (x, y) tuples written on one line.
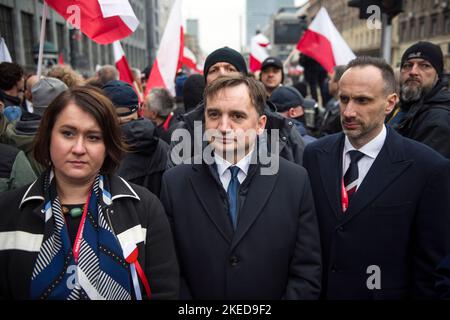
[(387, 167), (209, 195), (257, 190), (330, 167)]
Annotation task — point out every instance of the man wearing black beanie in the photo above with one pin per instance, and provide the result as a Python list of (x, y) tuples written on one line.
[(424, 98), (223, 61), (226, 61)]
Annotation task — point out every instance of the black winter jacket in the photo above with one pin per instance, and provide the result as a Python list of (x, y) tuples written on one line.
[(146, 160), (135, 214), (428, 120)]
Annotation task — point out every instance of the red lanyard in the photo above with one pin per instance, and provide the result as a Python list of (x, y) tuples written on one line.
[(344, 197), (77, 243)]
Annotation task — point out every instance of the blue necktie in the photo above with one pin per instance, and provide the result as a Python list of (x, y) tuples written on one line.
[(232, 194)]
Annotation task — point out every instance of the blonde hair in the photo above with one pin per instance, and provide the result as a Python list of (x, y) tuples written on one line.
[(67, 75)]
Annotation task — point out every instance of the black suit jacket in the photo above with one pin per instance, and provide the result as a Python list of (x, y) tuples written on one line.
[(398, 219), (274, 252)]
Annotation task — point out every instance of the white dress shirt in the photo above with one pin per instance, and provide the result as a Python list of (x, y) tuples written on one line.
[(370, 150), (225, 174)]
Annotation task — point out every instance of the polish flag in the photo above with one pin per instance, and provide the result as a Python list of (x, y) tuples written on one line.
[(170, 53), (190, 61), (103, 21), (323, 42), (122, 64), (258, 51)]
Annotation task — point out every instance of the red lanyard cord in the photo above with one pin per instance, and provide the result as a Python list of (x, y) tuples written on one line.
[(77, 242)]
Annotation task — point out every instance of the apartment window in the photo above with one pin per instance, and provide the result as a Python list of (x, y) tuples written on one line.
[(434, 25), (7, 29), (28, 39), (48, 30), (403, 31), (422, 27), (102, 54), (94, 54), (60, 31), (446, 23), (412, 29)]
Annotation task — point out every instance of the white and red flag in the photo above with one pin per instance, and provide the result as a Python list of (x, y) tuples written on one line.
[(323, 42), (190, 61), (121, 63), (170, 53), (258, 51), (103, 21)]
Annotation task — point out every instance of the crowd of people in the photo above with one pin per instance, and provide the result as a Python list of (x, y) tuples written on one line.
[(102, 197)]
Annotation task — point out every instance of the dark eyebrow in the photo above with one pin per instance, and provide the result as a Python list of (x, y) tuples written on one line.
[(66, 126)]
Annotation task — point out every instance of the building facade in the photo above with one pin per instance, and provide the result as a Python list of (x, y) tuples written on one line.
[(20, 24), (420, 20), (259, 13)]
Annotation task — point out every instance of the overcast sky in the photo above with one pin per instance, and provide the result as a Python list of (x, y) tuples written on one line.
[(221, 22)]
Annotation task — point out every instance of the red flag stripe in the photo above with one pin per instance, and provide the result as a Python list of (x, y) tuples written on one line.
[(319, 48), (92, 22)]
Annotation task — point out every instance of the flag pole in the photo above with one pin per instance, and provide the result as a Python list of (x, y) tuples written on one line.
[(285, 63), (42, 39)]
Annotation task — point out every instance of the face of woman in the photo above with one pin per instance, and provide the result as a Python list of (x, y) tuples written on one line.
[(77, 148)]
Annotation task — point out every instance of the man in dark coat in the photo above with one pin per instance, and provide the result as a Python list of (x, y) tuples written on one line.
[(243, 228), (226, 61), (146, 160), (381, 199), (425, 99)]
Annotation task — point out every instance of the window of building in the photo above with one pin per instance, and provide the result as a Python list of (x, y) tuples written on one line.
[(60, 35), (102, 54), (446, 22), (412, 29), (6, 28), (422, 27), (434, 25), (403, 31), (28, 39), (94, 55)]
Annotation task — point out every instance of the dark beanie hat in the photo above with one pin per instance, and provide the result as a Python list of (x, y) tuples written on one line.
[(427, 51), (225, 54), (193, 91)]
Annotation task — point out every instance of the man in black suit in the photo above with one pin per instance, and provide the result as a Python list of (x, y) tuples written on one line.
[(242, 231), (382, 200)]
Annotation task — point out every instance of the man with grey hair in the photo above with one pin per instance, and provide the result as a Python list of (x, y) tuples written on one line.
[(107, 73), (425, 98), (158, 108)]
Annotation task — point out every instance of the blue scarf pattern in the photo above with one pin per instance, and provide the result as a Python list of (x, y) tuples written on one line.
[(101, 272)]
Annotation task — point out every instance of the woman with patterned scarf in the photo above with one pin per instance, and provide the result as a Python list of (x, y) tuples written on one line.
[(79, 231)]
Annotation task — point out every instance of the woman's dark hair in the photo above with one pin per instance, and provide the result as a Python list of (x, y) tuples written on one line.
[(92, 101)]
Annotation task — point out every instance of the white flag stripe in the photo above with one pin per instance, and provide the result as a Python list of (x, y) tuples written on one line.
[(121, 8), (169, 48), (323, 25), (20, 240)]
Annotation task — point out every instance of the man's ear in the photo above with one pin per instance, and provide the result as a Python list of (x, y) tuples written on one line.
[(391, 101), (262, 124)]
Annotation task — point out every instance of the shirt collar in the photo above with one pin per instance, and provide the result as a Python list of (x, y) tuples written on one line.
[(223, 165), (370, 149)]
